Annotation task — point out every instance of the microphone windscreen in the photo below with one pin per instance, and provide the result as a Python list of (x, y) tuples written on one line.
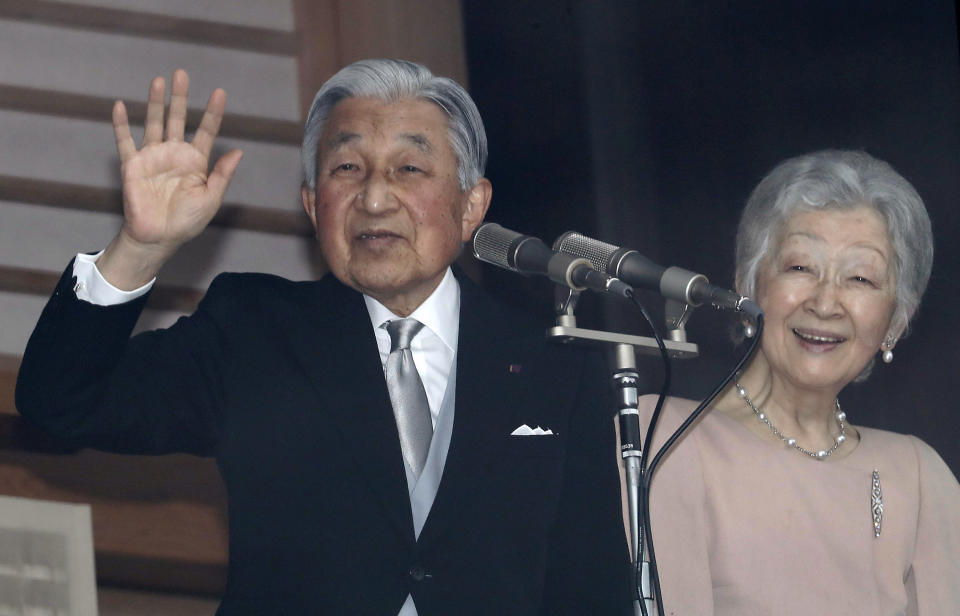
[(491, 243), (596, 252)]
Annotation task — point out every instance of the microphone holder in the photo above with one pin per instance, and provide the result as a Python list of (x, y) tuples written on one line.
[(566, 331), (626, 380)]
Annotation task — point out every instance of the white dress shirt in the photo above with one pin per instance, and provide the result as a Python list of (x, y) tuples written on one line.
[(435, 345)]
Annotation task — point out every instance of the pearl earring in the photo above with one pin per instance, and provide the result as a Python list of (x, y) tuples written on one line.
[(888, 350)]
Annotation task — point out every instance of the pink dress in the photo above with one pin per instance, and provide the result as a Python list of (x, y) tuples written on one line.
[(746, 527)]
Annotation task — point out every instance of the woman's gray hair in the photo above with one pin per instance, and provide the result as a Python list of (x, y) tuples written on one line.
[(839, 179), (391, 81)]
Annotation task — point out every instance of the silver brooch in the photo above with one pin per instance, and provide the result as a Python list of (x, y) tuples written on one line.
[(876, 503)]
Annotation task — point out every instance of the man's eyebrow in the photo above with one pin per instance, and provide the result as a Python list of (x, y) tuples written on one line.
[(342, 138), (419, 141)]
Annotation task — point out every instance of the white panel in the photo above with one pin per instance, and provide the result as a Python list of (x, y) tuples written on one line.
[(276, 14), (119, 66), (45, 238), (19, 314), (83, 152), (49, 544)]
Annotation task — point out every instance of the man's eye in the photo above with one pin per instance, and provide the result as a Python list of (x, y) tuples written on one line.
[(345, 167), (798, 268), (410, 169), (863, 280)]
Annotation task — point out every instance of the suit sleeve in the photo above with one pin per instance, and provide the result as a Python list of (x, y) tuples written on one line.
[(84, 379), (932, 582), (588, 566)]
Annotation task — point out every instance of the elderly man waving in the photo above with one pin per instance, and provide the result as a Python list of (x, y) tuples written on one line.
[(363, 423)]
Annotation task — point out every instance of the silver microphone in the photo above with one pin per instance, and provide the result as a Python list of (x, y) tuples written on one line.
[(526, 254), (638, 271)]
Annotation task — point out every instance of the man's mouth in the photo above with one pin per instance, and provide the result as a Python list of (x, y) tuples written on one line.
[(376, 235), (818, 338)]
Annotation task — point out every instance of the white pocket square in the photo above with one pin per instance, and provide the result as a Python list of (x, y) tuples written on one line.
[(526, 430)]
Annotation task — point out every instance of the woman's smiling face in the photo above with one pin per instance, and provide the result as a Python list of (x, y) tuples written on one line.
[(828, 292)]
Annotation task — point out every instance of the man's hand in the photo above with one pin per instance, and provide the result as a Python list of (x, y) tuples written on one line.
[(168, 197)]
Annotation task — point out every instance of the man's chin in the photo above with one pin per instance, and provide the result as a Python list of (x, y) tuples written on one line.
[(398, 293)]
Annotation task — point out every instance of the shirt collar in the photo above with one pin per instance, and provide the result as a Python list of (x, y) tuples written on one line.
[(440, 312)]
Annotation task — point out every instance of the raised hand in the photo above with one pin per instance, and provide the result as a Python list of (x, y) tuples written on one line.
[(168, 195)]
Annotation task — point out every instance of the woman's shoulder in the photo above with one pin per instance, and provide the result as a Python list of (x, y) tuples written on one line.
[(674, 413), (908, 450)]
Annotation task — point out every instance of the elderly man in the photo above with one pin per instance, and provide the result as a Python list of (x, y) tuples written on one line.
[(349, 493)]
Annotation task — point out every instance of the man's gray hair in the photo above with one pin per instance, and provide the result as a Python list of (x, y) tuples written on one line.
[(390, 81), (839, 179)]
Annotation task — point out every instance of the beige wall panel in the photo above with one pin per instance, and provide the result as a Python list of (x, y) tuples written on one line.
[(18, 315), (83, 152), (119, 66), (218, 250), (426, 31), (269, 174), (44, 238), (276, 14), (155, 319)]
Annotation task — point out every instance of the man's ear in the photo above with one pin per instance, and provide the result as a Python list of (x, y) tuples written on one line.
[(478, 200), (309, 199)]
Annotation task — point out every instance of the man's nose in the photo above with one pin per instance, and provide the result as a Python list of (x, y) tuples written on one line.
[(376, 196)]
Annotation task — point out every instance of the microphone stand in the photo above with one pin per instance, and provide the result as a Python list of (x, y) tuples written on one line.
[(626, 379)]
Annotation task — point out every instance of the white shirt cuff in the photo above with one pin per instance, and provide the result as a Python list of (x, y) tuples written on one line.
[(92, 287)]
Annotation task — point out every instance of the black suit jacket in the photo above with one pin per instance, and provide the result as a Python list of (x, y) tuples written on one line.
[(282, 383)]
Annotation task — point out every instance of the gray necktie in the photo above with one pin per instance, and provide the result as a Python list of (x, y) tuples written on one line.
[(409, 399)]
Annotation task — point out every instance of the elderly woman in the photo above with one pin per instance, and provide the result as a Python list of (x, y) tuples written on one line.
[(775, 502)]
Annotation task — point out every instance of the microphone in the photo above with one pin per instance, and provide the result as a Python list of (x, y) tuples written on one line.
[(526, 254), (637, 270)]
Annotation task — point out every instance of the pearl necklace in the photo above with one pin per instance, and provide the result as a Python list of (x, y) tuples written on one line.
[(822, 454)]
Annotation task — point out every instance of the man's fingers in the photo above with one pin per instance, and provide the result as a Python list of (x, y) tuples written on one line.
[(220, 177), (121, 132), (153, 125), (210, 123), (177, 118)]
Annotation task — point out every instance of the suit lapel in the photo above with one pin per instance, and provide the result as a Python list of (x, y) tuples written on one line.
[(338, 352), (487, 394)]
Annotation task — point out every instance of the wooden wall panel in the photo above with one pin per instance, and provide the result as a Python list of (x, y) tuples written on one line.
[(428, 31), (120, 66), (167, 509), (334, 33), (79, 151), (57, 103), (123, 602), (33, 238), (318, 26), (257, 13), (155, 25), (18, 315)]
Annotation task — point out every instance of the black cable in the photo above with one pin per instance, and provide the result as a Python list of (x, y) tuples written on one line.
[(644, 534), (647, 476)]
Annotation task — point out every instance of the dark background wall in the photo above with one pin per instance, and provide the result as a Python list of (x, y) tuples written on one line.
[(647, 124)]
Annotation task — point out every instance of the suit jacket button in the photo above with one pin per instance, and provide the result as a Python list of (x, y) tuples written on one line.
[(417, 573)]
